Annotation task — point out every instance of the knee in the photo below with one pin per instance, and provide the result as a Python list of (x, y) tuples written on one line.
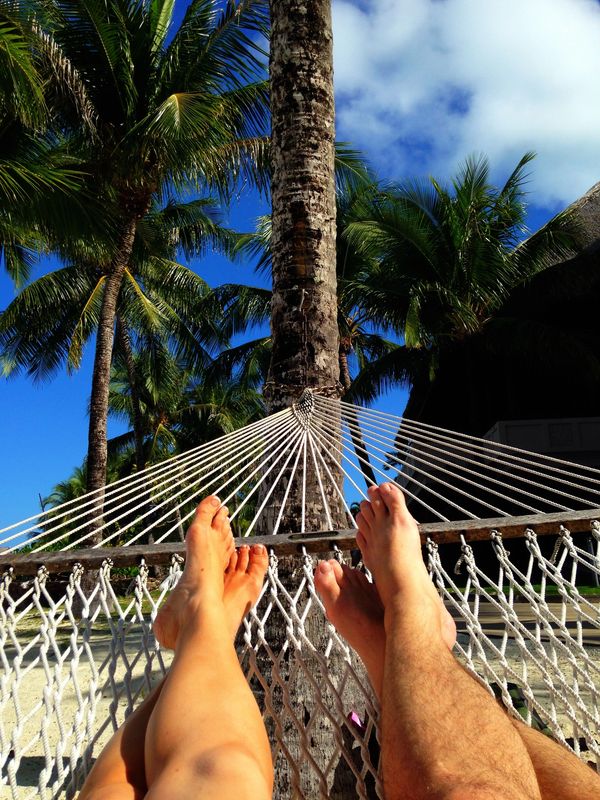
[(237, 765)]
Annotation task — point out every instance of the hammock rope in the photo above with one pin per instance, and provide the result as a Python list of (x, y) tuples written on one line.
[(76, 657)]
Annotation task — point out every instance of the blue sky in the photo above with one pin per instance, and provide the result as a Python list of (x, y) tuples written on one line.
[(420, 84)]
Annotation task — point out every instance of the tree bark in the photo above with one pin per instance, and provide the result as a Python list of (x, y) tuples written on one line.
[(97, 447), (305, 350), (138, 427), (304, 305), (304, 329)]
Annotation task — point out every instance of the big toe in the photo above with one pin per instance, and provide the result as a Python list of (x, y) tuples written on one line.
[(327, 582), (258, 562), (378, 506), (207, 510), (196, 534), (393, 499)]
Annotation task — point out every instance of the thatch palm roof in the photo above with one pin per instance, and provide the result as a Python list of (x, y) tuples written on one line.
[(544, 357)]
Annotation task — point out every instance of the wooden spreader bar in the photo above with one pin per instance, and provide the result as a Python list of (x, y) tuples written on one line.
[(293, 543)]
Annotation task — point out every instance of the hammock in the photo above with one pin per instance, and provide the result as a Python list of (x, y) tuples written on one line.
[(511, 538)]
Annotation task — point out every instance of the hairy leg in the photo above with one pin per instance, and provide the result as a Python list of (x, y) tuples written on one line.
[(205, 736), (560, 774), (353, 605), (119, 772), (443, 736)]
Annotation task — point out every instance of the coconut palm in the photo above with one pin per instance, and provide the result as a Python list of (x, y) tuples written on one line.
[(448, 261), (39, 180), (360, 344), (173, 111), (180, 408), (177, 408), (50, 321), (247, 307)]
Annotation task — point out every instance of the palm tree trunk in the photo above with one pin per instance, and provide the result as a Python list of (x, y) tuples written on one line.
[(304, 329), (138, 427), (358, 441), (304, 326), (97, 448), (304, 305)]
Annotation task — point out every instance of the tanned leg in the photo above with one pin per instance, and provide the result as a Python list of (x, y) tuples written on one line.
[(205, 736), (353, 605), (560, 774), (443, 735), (119, 772)]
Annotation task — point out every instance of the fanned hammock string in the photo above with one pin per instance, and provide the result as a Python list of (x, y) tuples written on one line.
[(511, 538)]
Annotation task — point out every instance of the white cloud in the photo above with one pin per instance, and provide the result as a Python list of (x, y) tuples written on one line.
[(422, 83)]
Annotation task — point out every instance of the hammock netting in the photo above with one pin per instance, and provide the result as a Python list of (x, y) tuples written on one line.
[(511, 539)]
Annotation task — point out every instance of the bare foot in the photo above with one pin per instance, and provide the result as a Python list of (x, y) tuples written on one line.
[(209, 545), (353, 606), (389, 540), (244, 579)]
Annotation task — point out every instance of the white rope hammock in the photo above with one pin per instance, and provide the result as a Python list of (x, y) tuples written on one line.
[(76, 656)]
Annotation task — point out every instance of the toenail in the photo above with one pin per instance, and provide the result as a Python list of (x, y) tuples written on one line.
[(214, 501)]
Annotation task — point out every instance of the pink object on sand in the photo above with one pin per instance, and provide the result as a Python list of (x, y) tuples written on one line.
[(356, 721)]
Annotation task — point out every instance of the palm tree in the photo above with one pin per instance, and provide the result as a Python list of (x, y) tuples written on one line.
[(249, 306), (173, 111), (448, 262), (50, 321), (305, 344), (39, 180), (360, 344), (177, 408)]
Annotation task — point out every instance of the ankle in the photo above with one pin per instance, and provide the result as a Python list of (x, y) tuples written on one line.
[(417, 615)]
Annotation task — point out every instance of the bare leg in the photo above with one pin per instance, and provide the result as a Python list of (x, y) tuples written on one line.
[(119, 772), (560, 774), (443, 736), (352, 604), (205, 736)]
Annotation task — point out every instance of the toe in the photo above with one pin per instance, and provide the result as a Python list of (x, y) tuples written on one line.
[(243, 558), (379, 510), (326, 584), (393, 499), (197, 531), (258, 561), (232, 561), (363, 544), (206, 511), (229, 551), (220, 520), (225, 523), (366, 509), (338, 569)]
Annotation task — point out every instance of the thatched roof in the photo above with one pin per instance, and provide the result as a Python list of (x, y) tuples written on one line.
[(588, 211), (557, 374)]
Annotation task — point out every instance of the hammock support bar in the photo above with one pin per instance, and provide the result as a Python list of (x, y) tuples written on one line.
[(294, 543)]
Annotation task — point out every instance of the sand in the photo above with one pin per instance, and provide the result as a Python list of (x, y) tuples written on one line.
[(126, 671)]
